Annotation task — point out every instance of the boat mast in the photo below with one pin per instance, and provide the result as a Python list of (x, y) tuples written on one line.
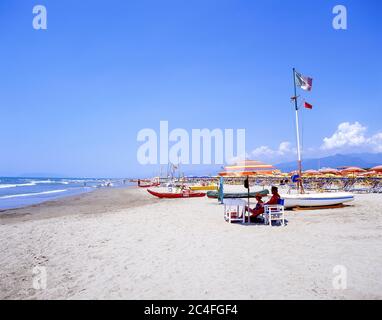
[(299, 183)]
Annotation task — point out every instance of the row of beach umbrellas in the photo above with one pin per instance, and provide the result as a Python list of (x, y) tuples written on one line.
[(345, 171), (253, 168)]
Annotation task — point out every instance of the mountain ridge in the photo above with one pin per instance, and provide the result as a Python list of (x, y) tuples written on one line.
[(363, 160)]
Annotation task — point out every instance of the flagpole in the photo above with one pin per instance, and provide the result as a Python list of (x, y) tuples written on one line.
[(299, 183)]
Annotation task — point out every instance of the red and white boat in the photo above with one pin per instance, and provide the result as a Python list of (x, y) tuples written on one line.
[(173, 195)]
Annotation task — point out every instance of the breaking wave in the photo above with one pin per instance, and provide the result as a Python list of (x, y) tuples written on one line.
[(32, 194)]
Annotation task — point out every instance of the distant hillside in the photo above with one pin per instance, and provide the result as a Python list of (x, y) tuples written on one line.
[(363, 160)]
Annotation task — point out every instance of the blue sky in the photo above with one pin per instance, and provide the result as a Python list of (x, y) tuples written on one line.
[(74, 96)]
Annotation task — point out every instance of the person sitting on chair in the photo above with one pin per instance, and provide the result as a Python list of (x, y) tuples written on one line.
[(258, 209), (275, 196)]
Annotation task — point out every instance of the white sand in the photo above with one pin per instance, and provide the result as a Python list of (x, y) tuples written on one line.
[(183, 249)]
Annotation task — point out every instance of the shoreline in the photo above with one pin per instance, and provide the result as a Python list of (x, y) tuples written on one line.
[(54, 198), (92, 202), (21, 192)]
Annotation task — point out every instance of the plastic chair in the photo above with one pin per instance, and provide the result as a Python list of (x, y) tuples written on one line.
[(234, 210), (274, 213)]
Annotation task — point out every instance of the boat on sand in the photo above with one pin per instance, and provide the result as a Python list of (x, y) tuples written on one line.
[(149, 185), (237, 195), (172, 195), (316, 199)]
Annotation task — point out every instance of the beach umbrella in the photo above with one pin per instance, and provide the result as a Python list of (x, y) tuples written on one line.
[(247, 168), (352, 170), (377, 168), (369, 174), (246, 174), (311, 173), (329, 171)]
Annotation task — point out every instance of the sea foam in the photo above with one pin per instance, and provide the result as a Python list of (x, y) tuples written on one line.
[(32, 194), (3, 186)]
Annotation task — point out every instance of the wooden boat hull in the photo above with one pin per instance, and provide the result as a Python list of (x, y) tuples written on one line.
[(177, 195), (316, 199), (227, 195)]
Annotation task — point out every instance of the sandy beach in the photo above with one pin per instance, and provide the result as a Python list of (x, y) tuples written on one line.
[(126, 244)]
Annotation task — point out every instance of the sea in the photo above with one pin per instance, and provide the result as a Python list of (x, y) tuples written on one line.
[(20, 192)]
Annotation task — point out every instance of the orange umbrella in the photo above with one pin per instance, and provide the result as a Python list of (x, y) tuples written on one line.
[(368, 174), (377, 168), (247, 168), (311, 173), (329, 171), (352, 170)]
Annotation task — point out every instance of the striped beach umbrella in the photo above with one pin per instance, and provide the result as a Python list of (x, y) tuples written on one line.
[(247, 168), (329, 171), (311, 173), (377, 169), (370, 173), (352, 171)]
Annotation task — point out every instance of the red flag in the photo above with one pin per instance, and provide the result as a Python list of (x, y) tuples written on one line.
[(308, 105)]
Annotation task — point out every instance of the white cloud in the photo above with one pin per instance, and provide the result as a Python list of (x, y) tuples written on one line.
[(266, 152), (237, 159), (376, 142), (346, 135), (350, 135), (284, 147), (262, 151)]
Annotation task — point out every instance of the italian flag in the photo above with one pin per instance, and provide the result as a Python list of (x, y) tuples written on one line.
[(305, 83)]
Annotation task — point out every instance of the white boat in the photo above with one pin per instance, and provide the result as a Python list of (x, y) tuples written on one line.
[(316, 199)]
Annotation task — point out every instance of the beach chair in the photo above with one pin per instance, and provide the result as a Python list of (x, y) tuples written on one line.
[(234, 210), (274, 213)]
